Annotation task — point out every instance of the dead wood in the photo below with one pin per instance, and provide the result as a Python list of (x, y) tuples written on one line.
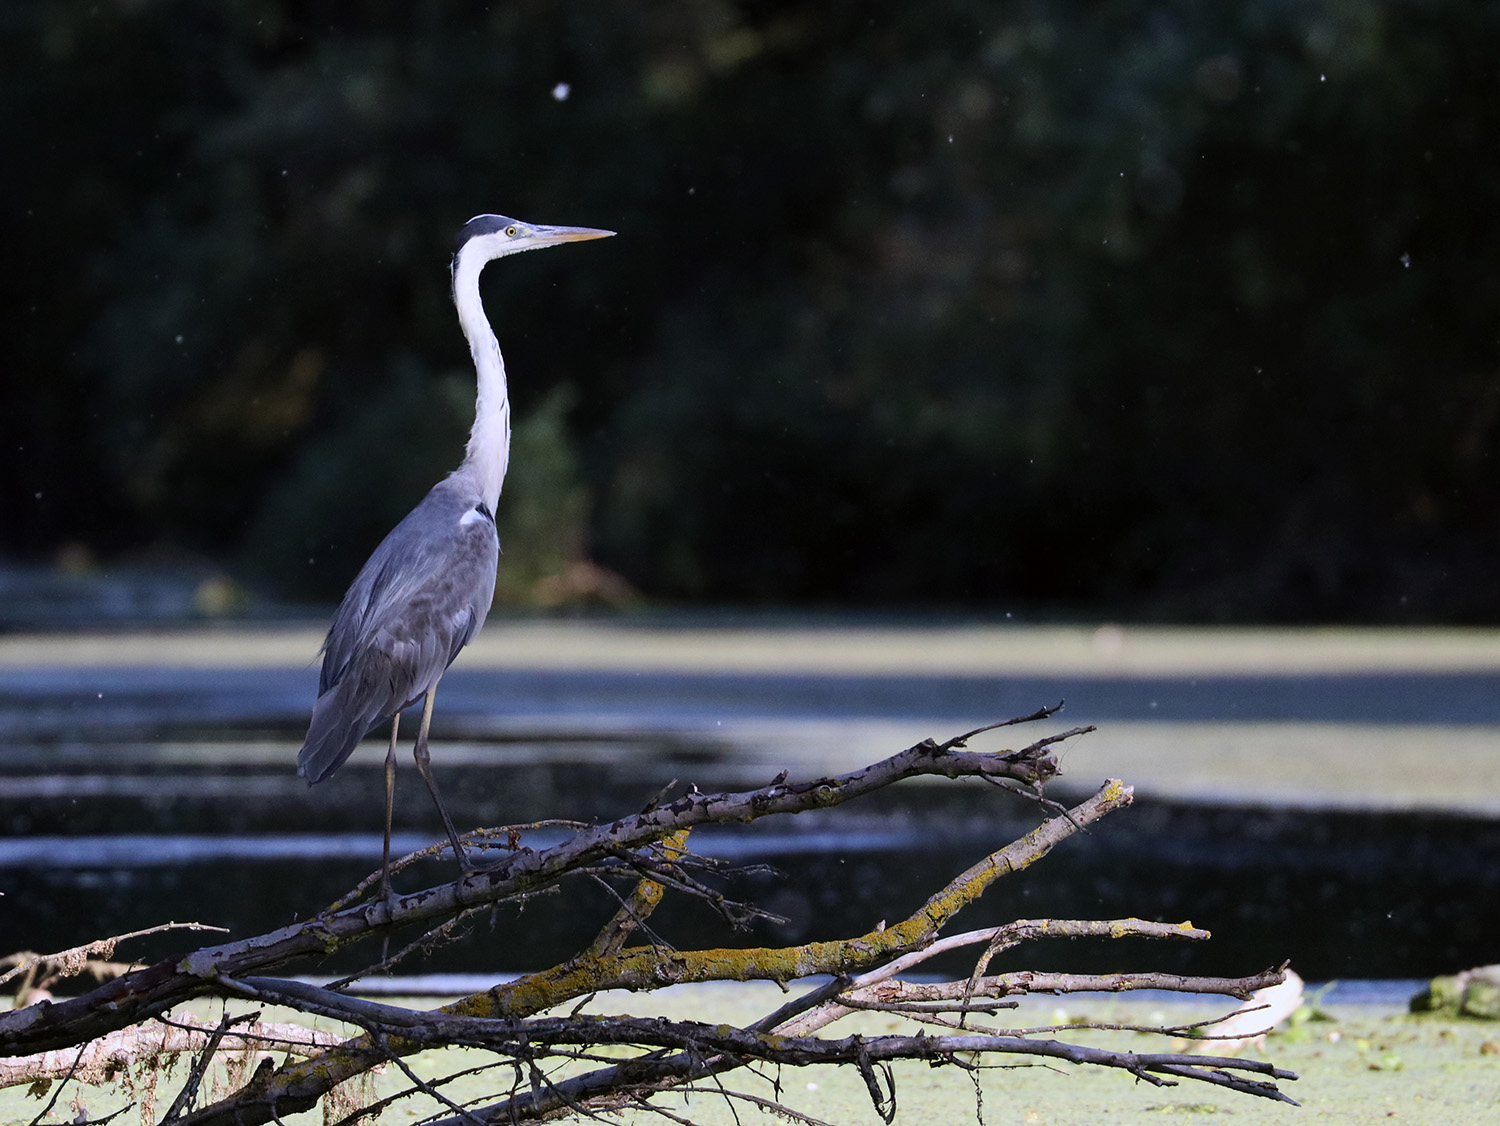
[(517, 1020)]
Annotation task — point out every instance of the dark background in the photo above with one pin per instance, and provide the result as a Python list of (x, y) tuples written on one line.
[(1165, 310)]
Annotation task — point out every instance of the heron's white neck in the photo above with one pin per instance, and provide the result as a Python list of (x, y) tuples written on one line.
[(488, 453)]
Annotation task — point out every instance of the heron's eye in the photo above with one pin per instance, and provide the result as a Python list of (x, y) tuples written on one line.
[(510, 231)]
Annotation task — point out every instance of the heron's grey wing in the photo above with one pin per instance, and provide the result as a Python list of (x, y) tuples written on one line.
[(445, 549), (420, 598)]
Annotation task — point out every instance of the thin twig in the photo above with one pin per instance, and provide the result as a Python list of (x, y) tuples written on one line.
[(46, 1110), (425, 1087), (1041, 713), (72, 960), (200, 1065), (780, 1110)]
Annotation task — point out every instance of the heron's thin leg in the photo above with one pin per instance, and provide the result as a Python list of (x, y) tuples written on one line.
[(424, 765), (390, 808)]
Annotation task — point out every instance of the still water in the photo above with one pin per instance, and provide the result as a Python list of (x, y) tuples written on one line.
[(129, 796)]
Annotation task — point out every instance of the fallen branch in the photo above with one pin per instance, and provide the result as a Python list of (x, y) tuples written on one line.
[(626, 1059), (298, 1086), (144, 993)]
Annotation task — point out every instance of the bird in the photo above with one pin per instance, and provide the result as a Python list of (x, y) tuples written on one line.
[(425, 591)]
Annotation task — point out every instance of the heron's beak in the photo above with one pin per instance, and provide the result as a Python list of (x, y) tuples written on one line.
[(549, 235)]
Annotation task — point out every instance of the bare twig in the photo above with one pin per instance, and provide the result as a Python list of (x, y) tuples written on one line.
[(1040, 714), (642, 901), (74, 960), (66, 1078), (200, 1065), (1000, 938), (899, 996)]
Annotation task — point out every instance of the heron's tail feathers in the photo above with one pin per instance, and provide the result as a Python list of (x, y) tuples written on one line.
[(342, 717)]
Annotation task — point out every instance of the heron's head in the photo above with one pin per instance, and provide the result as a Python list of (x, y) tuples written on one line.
[(486, 237)]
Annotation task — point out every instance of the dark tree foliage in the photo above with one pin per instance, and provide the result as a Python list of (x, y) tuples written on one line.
[(1169, 309)]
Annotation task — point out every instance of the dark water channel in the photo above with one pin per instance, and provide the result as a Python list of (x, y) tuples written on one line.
[(105, 834)]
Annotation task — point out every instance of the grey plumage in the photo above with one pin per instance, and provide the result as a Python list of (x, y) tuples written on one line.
[(425, 591), (420, 598)]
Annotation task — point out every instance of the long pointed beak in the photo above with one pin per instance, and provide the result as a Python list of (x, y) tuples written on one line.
[(550, 235)]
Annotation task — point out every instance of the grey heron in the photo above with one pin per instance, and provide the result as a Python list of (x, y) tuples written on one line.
[(424, 593)]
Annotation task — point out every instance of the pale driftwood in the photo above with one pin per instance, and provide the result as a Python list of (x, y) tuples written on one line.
[(103, 1060), (868, 987)]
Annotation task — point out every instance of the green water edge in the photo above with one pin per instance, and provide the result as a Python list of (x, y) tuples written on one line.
[(1357, 1064)]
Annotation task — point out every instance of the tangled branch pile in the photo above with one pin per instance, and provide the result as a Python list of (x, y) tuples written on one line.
[(545, 1061)]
